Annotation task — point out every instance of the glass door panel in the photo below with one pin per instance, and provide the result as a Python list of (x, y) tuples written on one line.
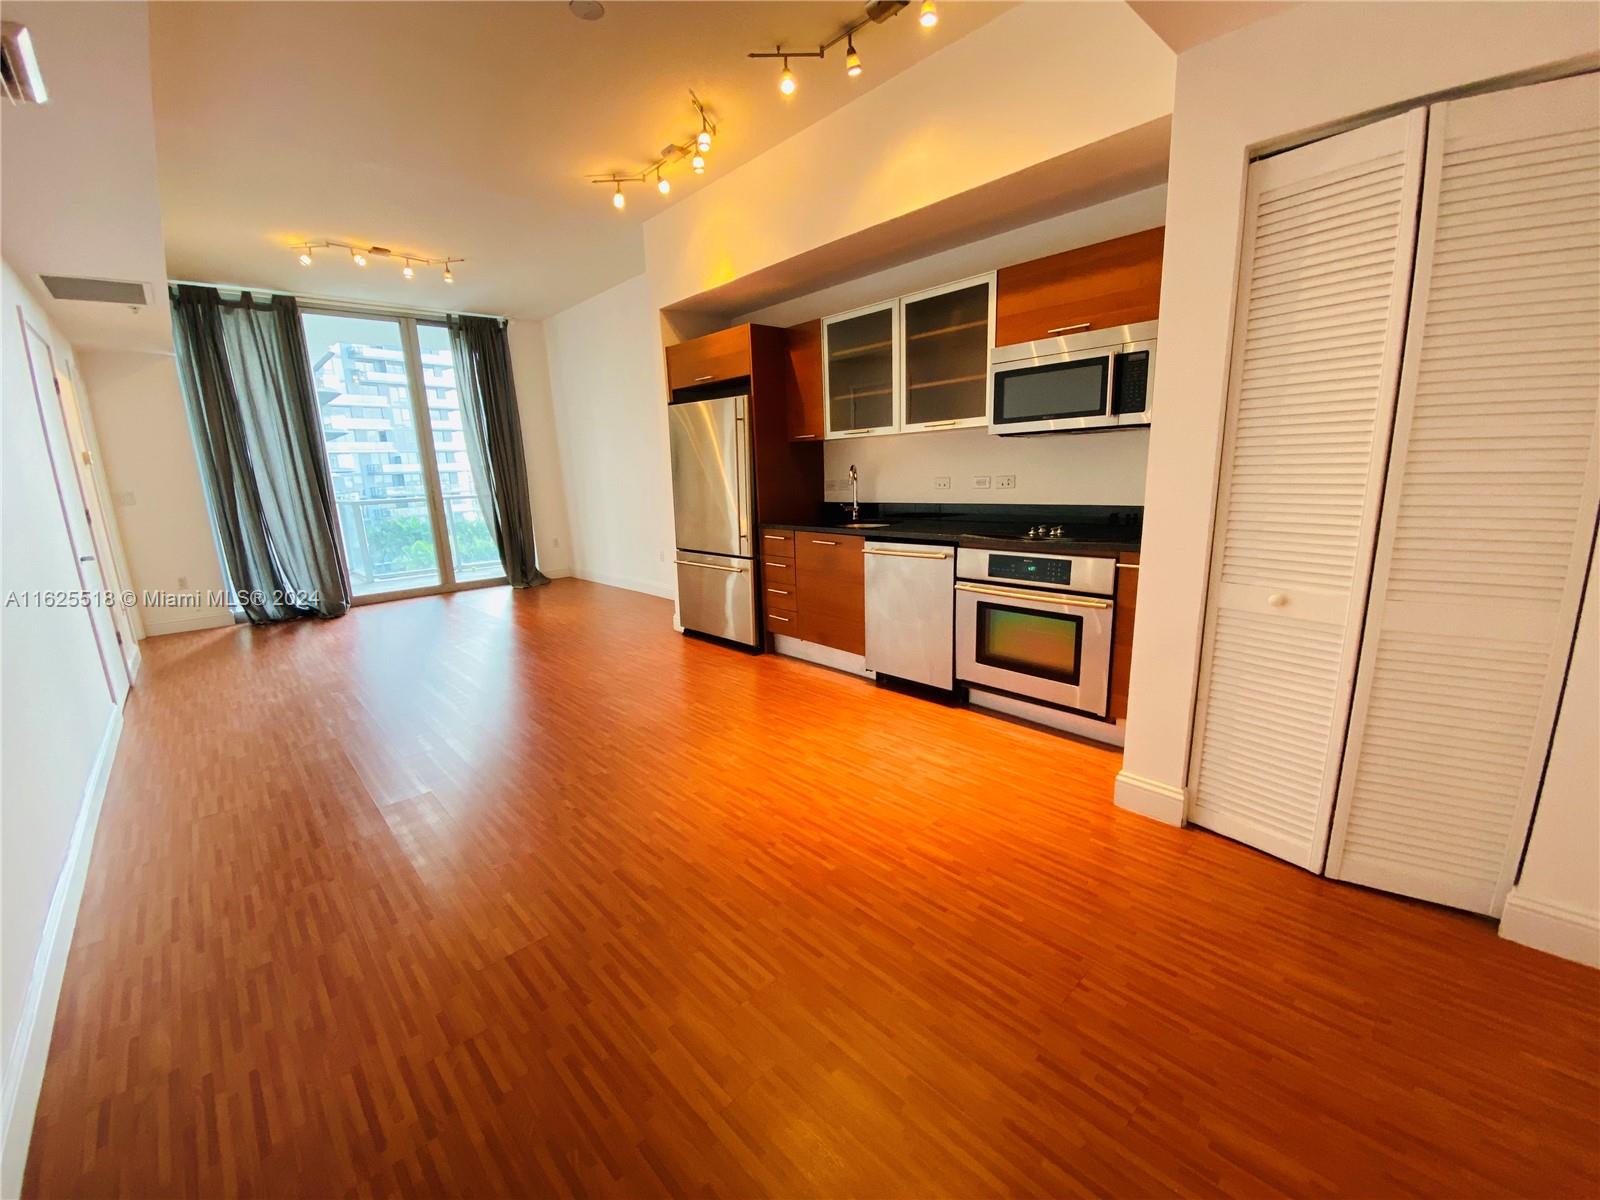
[(462, 483), (947, 357), (363, 389), (860, 371)]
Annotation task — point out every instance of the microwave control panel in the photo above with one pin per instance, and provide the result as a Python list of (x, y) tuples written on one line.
[(1027, 569)]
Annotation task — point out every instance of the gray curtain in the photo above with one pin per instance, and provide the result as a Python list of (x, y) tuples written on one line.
[(494, 435), (252, 406)]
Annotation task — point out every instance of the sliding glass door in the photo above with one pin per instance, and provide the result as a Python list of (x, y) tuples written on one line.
[(409, 497)]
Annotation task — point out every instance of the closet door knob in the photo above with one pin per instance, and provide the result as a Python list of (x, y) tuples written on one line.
[(1277, 599)]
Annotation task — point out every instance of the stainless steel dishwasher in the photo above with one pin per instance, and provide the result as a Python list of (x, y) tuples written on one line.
[(911, 612)]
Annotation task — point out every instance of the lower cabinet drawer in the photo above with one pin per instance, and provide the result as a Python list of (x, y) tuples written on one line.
[(780, 573), (777, 543), (780, 599), (784, 623)]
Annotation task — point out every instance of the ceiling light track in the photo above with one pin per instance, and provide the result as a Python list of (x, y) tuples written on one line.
[(877, 12), (695, 149), (306, 253)]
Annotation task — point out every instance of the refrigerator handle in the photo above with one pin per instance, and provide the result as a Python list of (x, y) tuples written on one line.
[(744, 483)]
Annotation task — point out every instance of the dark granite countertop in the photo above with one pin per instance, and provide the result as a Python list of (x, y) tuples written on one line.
[(1087, 531)]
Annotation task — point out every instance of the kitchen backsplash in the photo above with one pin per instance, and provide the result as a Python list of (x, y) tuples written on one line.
[(973, 466)]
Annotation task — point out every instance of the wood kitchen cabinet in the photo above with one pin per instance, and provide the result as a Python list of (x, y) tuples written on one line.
[(803, 345), (831, 579), (814, 587), (1110, 283), (709, 359), (861, 371)]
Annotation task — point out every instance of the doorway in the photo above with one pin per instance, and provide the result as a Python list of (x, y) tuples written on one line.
[(409, 492)]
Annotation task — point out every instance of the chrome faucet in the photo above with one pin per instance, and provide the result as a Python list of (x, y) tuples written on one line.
[(855, 505)]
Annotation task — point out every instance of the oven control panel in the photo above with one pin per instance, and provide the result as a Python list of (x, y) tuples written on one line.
[(1025, 568)]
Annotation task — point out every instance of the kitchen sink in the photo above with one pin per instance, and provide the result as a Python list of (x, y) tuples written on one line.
[(866, 525)]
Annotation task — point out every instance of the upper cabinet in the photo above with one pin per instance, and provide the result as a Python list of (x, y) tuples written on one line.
[(803, 344), (709, 359), (945, 352), (1110, 283), (861, 371)]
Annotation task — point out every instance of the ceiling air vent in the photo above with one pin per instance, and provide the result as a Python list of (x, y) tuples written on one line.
[(102, 291), (19, 69)]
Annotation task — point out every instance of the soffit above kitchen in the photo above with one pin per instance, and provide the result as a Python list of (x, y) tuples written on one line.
[(469, 130), (1185, 24)]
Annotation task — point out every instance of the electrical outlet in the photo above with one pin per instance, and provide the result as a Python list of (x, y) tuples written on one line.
[(1002, 482), (980, 481), (941, 483)]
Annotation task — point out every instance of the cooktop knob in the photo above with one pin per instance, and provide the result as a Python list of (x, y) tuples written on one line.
[(1058, 532)]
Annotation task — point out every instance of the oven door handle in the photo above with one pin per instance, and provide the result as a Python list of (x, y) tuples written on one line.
[(1033, 597)]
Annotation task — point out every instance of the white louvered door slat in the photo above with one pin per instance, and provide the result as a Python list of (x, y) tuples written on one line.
[(1327, 256), (1490, 507)]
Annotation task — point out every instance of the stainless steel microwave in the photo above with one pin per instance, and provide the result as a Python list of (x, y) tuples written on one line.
[(1098, 379)]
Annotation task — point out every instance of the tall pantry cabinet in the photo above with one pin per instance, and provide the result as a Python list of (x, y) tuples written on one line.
[(1408, 497)]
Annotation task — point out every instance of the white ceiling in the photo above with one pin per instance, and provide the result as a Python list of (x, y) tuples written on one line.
[(468, 129), (79, 173)]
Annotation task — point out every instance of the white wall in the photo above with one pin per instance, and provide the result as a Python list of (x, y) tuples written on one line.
[(547, 489), (1035, 83), (1556, 903), (1313, 65), (58, 730), (1100, 468), (611, 426), (150, 467)]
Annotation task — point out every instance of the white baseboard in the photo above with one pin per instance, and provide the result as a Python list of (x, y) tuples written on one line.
[(649, 588), (155, 625), (25, 1058), (1150, 798), (823, 656), (1554, 928)]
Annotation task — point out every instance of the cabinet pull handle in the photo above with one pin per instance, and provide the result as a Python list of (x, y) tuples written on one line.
[(820, 542), (776, 537), (776, 617), (804, 437), (785, 566), (704, 378), (906, 553), (1070, 328), (777, 591), (940, 424)]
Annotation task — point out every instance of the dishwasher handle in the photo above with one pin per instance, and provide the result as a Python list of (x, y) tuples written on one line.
[(886, 553)]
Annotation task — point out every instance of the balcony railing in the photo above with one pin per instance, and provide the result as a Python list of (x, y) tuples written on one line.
[(389, 543)]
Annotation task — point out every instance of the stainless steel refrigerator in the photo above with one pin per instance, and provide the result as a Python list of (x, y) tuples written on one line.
[(711, 509)]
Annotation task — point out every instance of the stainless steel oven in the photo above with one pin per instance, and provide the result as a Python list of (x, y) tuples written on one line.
[(1036, 626), (1097, 379)]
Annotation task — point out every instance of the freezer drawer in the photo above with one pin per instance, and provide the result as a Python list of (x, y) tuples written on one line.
[(911, 612), (717, 595)]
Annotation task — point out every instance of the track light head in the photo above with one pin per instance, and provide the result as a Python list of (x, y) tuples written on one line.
[(929, 16), (305, 256), (786, 83), (852, 60)]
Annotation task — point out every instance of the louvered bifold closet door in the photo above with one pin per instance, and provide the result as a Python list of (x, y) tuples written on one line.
[(1326, 264), (1489, 511)]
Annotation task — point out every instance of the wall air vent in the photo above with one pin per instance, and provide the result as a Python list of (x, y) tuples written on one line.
[(19, 69), (101, 291)]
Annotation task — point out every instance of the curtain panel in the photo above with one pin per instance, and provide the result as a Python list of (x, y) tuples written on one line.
[(494, 435), (252, 408)]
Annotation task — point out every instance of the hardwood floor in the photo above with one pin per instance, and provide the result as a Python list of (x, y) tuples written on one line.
[(524, 894)]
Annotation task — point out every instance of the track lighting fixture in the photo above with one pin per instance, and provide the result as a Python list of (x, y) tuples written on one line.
[(360, 254), (694, 149), (877, 12)]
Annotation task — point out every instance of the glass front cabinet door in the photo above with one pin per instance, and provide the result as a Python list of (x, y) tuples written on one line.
[(947, 334), (861, 353)]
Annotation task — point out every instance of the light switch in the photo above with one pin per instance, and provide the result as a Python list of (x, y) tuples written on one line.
[(980, 481)]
